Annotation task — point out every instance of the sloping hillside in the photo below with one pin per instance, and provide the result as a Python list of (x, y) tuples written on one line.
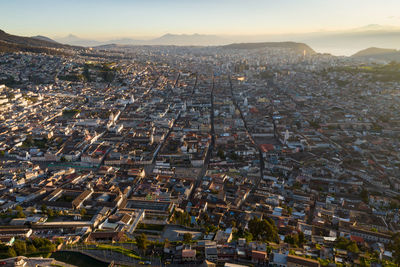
[(14, 43), (300, 47), (379, 54)]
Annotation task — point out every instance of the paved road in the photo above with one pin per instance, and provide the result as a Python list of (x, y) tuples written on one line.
[(260, 154), (211, 146)]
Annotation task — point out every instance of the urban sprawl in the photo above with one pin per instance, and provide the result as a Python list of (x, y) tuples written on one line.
[(200, 156)]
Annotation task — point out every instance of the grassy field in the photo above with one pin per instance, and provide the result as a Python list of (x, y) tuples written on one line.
[(119, 249), (152, 227)]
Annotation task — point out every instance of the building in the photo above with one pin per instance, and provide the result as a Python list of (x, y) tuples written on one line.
[(296, 261)]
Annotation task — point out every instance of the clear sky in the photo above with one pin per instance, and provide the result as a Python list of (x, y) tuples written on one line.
[(130, 18)]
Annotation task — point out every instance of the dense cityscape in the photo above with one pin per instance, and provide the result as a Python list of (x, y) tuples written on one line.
[(226, 155)]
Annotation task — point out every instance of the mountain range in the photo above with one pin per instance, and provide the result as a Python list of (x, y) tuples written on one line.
[(346, 42), (37, 44), (167, 39), (12, 43)]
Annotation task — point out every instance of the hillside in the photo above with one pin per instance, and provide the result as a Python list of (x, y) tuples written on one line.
[(43, 38), (300, 47), (14, 43), (379, 54), (187, 40)]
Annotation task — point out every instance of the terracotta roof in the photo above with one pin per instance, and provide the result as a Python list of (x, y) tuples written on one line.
[(267, 147), (188, 253)]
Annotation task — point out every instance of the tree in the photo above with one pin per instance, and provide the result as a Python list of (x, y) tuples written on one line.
[(301, 238), (289, 239), (50, 212), (31, 249), (19, 208), (44, 209), (263, 230), (221, 154), (11, 253), (182, 218), (187, 238), (352, 247), (19, 247), (141, 241), (83, 212), (43, 244), (289, 210), (343, 243), (364, 195), (21, 214), (395, 246)]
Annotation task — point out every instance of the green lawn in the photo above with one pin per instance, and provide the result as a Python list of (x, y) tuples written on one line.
[(119, 249), (152, 227)]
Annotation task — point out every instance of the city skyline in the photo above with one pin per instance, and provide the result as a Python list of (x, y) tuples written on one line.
[(229, 133)]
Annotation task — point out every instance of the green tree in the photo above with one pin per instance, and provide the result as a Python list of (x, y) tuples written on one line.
[(301, 238), (221, 154), (263, 230), (352, 247), (289, 210), (19, 247), (142, 242), (11, 253), (289, 239), (364, 195), (31, 249), (182, 218), (44, 209), (21, 214), (50, 212), (19, 208), (395, 246), (83, 212), (187, 238), (346, 244)]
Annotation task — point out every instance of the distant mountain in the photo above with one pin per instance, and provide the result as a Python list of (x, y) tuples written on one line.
[(125, 41), (373, 51), (354, 40), (187, 40), (75, 40), (376, 27), (299, 47), (14, 43), (43, 38), (167, 39), (346, 42), (378, 54)]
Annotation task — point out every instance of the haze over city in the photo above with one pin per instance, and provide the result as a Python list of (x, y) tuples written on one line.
[(229, 20), (224, 133)]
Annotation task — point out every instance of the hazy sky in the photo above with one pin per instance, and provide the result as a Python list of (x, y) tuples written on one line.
[(130, 18)]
